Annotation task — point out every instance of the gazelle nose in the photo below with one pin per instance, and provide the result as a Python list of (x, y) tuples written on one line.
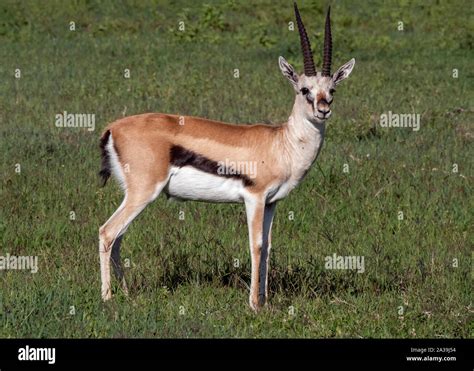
[(324, 111)]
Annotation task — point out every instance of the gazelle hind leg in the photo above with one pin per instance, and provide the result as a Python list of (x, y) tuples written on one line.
[(117, 263), (115, 227)]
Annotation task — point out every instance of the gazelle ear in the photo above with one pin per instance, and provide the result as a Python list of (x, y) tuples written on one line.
[(289, 72), (343, 72)]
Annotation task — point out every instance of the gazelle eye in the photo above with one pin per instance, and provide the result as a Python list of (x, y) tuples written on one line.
[(332, 91), (304, 91)]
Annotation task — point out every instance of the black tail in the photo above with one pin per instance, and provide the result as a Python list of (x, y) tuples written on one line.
[(104, 172)]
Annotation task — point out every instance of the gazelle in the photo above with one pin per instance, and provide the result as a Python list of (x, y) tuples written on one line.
[(183, 157)]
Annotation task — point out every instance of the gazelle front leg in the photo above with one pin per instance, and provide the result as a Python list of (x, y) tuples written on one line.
[(255, 208), (266, 247), (260, 220)]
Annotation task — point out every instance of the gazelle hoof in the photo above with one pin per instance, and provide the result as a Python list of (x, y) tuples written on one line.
[(106, 295), (257, 303)]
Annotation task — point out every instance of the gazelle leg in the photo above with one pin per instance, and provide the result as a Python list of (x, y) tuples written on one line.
[(105, 253), (266, 247), (117, 263), (255, 208), (115, 227), (108, 233)]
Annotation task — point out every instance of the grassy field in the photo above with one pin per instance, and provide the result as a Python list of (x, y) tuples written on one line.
[(182, 273)]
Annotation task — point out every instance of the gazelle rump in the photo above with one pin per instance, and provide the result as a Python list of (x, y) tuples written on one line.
[(193, 158)]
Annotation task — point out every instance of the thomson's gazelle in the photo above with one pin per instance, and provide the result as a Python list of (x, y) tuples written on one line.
[(183, 157)]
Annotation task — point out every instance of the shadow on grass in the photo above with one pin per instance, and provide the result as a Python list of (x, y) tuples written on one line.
[(300, 280)]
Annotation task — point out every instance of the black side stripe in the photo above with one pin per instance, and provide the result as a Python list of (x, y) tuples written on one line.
[(182, 157)]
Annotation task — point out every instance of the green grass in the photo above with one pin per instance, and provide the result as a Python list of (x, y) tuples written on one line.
[(182, 276)]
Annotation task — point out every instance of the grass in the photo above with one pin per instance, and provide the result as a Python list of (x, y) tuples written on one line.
[(182, 273)]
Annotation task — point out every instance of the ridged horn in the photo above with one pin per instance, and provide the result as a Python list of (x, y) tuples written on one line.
[(309, 69), (327, 46)]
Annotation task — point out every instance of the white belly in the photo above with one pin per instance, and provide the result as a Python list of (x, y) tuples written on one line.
[(189, 183)]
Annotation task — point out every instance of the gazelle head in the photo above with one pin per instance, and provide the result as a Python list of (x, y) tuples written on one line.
[(315, 90)]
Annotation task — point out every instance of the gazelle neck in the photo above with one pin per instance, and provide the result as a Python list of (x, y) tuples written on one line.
[(302, 140)]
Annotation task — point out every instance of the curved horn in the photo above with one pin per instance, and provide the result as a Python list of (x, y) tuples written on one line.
[(309, 69), (327, 46)]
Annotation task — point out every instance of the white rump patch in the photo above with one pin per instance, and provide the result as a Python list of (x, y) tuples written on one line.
[(115, 164)]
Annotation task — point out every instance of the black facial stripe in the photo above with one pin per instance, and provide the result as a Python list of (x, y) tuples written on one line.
[(180, 157)]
